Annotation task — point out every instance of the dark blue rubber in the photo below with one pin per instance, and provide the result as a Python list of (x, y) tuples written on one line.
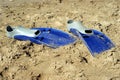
[(96, 43), (50, 37)]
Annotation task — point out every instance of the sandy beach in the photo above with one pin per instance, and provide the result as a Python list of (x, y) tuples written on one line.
[(23, 60)]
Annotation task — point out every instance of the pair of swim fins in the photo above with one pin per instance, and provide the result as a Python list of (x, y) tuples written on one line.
[(95, 41)]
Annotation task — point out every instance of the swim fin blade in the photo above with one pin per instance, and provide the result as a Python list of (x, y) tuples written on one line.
[(47, 36), (96, 41)]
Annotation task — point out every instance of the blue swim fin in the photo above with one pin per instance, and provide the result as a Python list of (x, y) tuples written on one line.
[(47, 36), (96, 41)]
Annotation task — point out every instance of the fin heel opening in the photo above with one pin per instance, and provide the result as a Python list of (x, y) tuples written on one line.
[(9, 29)]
